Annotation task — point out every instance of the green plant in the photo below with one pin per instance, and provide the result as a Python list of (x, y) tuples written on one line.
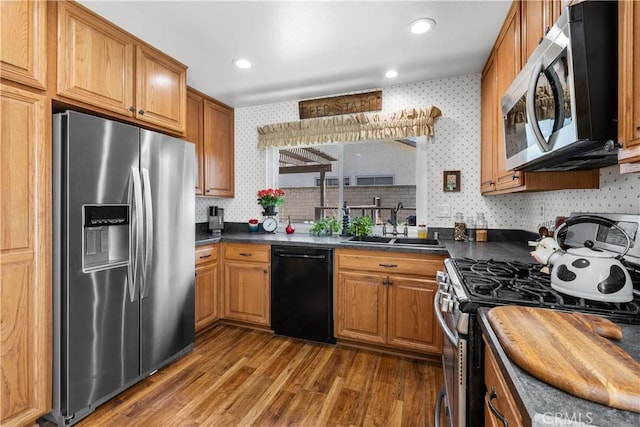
[(360, 226), (328, 225)]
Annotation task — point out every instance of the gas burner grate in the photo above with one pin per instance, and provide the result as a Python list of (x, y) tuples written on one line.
[(512, 282)]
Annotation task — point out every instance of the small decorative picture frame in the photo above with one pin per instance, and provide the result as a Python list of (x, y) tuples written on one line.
[(450, 181)]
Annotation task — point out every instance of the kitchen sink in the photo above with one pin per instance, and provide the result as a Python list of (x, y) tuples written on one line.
[(371, 239), (396, 241), (411, 241)]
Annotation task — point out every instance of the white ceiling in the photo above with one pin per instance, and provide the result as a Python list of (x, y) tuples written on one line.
[(310, 49)]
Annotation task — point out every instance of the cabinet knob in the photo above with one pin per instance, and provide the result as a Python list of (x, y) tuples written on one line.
[(141, 112), (132, 109), (514, 177), (245, 254), (265, 271)]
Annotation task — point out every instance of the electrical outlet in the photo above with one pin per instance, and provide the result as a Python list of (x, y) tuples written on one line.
[(542, 211), (443, 211)]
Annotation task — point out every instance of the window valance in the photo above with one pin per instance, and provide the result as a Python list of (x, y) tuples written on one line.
[(349, 128)]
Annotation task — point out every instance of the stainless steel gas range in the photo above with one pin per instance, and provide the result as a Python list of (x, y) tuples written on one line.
[(468, 284)]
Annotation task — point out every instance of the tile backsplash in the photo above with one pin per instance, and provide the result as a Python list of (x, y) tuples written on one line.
[(456, 146)]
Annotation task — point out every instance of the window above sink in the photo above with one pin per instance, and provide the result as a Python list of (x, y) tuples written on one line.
[(371, 177)]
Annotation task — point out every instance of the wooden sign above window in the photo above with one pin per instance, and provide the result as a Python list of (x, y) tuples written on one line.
[(337, 105)]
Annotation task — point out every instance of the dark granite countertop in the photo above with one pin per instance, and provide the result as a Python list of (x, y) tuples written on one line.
[(511, 250), (543, 405)]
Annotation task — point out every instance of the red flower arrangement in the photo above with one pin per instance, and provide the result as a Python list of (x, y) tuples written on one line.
[(270, 197)]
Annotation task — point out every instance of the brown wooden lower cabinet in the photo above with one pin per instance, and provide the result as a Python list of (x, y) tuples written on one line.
[(247, 283), (499, 403), (386, 299), (207, 288)]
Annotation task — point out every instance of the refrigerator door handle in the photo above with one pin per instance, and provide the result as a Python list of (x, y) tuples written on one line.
[(135, 201), (148, 249)]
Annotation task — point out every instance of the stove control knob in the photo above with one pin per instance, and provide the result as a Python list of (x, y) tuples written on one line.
[(442, 277), (446, 304), (444, 287)]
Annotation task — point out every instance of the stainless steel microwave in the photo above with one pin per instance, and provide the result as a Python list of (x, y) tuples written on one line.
[(560, 113)]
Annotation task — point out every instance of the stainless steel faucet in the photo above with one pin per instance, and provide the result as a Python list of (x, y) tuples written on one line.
[(394, 218)]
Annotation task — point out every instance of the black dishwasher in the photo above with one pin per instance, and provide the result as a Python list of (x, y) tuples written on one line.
[(302, 292)]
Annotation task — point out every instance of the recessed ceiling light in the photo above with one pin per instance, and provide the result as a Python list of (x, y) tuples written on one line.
[(241, 63), (422, 25), (391, 74)]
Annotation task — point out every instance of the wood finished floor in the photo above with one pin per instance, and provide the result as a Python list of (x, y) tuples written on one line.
[(240, 377)]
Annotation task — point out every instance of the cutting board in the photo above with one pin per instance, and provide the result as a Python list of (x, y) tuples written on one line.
[(570, 351)]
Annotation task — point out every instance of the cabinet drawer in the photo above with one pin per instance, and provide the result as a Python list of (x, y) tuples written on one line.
[(503, 401), (247, 252), (388, 262), (205, 254)]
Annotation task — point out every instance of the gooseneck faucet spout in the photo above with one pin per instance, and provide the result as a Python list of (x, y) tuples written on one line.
[(394, 218)]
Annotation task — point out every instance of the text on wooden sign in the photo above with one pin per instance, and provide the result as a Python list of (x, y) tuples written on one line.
[(336, 105)]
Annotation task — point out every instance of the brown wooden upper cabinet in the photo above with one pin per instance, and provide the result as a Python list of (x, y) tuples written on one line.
[(507, 66), (629, 86), (537, 17), (218, 150), (519, 36), (23, 57), (100, 65), (489, 124), (210, 125), (194, 133)]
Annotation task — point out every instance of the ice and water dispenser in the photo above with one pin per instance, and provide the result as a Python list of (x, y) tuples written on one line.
[(106, 237)]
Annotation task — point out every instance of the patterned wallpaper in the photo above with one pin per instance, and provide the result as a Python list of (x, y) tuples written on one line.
[(456, 146)]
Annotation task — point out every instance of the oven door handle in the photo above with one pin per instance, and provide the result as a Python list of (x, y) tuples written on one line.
[(451, 336), (437, 413)]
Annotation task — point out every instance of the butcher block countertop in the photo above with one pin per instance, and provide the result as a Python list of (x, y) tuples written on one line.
[(543, 405)]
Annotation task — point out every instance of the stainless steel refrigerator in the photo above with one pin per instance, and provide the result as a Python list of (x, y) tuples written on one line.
[(123, 233)]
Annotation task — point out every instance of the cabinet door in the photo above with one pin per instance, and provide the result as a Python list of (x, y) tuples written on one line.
[(161, 89), (95, 60), (629, 81), (537, 18), (498, 395), (411, 317), (23, 56), (206, 295), (361, 302), (193, 133), (533, 23), (488, 122), (218, 150), (25, 256), (247, 292), (508, 65)]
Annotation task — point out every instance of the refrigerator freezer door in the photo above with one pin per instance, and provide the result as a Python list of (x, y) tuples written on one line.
[(168, 304), (99, 335)]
